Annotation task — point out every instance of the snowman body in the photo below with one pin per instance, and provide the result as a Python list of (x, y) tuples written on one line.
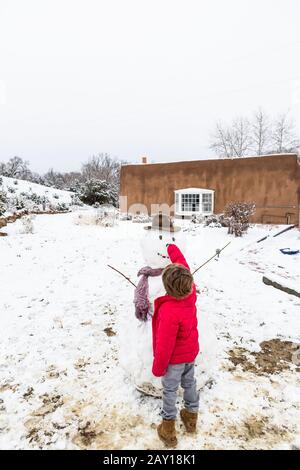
[(140, 357)]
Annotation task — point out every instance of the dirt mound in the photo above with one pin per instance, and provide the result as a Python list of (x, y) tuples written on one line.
[(274, 357)]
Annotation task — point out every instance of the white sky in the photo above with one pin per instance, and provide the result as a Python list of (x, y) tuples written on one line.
[(139, 77)]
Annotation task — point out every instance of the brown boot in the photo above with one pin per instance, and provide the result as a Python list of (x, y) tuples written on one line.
[(189, 420), (167, 433)]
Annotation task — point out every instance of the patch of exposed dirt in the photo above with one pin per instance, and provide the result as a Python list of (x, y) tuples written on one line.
[(37, 427), (258, 432), (50, 404), (112, 431), (109, 331), (8, 386), (253, 432), (53, 373), (274, 357), (28, 394), (82, 363)]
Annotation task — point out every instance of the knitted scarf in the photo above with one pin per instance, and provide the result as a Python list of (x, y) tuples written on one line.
[(141, 300)]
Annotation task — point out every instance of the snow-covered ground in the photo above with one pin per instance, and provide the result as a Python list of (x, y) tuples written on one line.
[(16, 188), (62, 312)]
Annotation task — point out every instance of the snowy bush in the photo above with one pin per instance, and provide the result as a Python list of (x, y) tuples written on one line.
[(27, 224), (107, 220), (98, 191), (216, 220), (61, 207), (212, 221), (75, 200), (17, 203), (237, 215), (141, 219), (87, 218), (125, 217), (27, 201), (3, 198), (105, 216), (35, 198), (197, 219)]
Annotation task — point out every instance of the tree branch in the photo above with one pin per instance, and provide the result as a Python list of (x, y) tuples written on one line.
[(127, 278)]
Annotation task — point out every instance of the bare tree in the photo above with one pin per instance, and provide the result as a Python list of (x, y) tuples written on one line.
[(261, 132), (220, 141), (54, 179), (261, 136), (283, 137), (234, 141), (2, 168), (240, 137), (16, 167), (102, 166)]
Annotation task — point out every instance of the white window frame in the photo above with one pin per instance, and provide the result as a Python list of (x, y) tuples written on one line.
[(189, 195)]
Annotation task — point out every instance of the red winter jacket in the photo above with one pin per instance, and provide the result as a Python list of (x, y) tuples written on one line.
[(174, 326)]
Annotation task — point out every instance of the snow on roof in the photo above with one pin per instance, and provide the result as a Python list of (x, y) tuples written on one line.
[(212, 158), (193, 190)]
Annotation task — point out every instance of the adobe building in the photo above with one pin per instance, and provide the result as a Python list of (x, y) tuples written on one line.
[(272, 182)]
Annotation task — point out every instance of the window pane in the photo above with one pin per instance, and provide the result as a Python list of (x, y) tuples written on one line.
[(190, 202), (206, 202)]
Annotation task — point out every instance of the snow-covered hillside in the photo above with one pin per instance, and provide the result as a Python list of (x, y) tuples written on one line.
[(63, 312), (21, 186), (22, 194)]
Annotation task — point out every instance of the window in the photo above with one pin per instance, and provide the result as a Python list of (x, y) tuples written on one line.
[(177, 201), (190, 202), (206, 202)]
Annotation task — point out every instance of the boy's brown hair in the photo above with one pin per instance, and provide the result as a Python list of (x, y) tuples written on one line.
[(177, 280)]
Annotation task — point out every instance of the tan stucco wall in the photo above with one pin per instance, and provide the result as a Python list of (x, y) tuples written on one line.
[(272, 182)]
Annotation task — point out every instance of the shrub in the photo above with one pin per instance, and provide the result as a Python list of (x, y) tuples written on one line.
[(75, 200), (27, 224), (198, 219), (98, 191), (62, 207), (141, 219), (3, 199), (237, 215), (18, 203), (35, 198), (218, 220), (125, 217)]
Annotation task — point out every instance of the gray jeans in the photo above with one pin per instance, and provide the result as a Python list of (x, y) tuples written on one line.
[(184, 375)]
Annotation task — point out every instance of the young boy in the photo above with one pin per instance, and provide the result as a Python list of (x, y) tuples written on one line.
[(176, 345)]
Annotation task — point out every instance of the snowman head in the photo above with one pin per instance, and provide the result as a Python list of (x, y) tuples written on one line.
[(156, 237)]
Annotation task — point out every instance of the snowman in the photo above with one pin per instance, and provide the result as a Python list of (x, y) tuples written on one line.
[(136, 354)]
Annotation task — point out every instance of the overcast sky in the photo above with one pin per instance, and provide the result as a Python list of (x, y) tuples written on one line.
[(139, 77)]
